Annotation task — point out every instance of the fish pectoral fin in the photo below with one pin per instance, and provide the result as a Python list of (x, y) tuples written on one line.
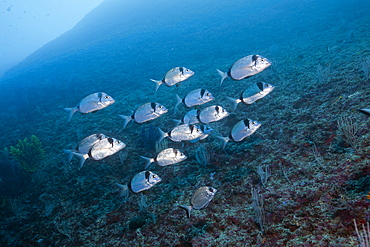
[(250, 67)]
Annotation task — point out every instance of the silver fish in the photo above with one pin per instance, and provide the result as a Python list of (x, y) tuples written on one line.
[(84, 146), (365, 111), (196, 97), (183, 132), (191, 117), (245, 67), (212, 114), (206, 130), (174, 76), (92, 103), (200, 199), (253, 93), (241, 130), (144, 113), (142, 181), (166, 157), (101, 149)]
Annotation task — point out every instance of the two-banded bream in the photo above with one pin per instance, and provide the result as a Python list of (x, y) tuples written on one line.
[(241, 130), (174, 76), (91, 103), (245, 67), (168, 156), (252, 93), (144, 113), (200, 199)]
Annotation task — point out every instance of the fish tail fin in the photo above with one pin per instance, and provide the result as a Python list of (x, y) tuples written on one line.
[(70, 111), (148, 161), (82, 158), (365, 111), (224, 140), (70, 154), (177, 121), (187, 209), (126, 120), (162, 135), (234, 102), (157, 83), (223, 76), (122, 190), (178, 101)]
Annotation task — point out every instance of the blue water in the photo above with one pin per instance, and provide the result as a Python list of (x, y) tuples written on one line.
[(318, 180)]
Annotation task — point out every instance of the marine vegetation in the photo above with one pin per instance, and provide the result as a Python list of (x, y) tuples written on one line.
[(29, 153)]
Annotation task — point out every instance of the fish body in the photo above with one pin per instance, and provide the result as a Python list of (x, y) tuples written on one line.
[(212, 114), (105, 148), (183, 132), (206, 131), (91, 103), (200, 199), (144, 113), (142, 181), (196, 97), (252, 93), (191, 117), (174, 76), (101, 149), (84, 146), (245, 67), (241, 130), (166, 157)]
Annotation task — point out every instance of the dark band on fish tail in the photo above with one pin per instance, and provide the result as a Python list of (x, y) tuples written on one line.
[(129, 186), (89, 154), (231, 136), (241, 97)]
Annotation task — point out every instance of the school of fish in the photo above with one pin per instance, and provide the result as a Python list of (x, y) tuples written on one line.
[(190, 128)]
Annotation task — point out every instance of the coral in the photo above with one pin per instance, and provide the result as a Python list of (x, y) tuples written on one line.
[(29, 153)]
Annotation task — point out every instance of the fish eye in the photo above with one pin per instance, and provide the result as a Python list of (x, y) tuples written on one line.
[(107, 96)]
